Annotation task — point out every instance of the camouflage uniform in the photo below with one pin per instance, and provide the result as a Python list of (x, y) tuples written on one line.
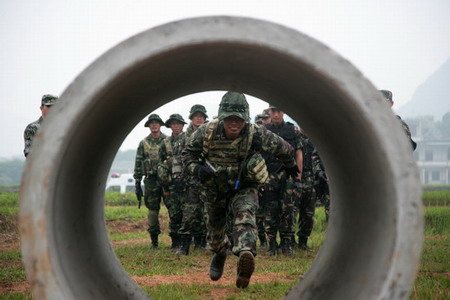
[(192, 223), (170, 175), (321, 187), (388, 96), (278, 193), (32, 128), (146, 164), (221, 192), (306, 203)]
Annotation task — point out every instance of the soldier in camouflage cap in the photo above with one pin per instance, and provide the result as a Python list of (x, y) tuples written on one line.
[(170, 175), (146, 165), (192, 222), (30, 131), (224, 156), (388, 96)]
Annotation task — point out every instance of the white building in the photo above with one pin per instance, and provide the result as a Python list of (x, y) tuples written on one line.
[(433, 160)]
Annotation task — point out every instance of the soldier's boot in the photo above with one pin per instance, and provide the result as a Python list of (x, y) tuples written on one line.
[(175, 241), (217, 264), (154, 238), (185, 243), (245, 269), (262, 241), (302, 244), (200, 242), (286, 248), (294, 243), (273, 247)]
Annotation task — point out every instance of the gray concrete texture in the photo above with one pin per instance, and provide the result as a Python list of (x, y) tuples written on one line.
[(373, 243)]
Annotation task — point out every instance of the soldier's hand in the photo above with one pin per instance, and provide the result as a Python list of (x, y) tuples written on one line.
[(138, 189), (293, 172), (204, 173)]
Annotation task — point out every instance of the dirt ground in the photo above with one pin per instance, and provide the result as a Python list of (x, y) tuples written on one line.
[(9, 240)]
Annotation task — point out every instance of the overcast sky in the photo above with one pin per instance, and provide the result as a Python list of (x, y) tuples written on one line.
[(45, 44)]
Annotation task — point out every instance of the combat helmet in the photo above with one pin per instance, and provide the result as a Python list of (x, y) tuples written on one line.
[(153, 117), (234, 104), (174, 117), (386, 94), (197, 108), (48, 100)]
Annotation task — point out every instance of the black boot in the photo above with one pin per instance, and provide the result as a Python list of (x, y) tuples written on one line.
[(200, 242), (217, 264), (272, 246), (294, 244), (154, 238), (245, 269), (302, 244), (286, 248), (185, 243), (175, 241), (262, 241)]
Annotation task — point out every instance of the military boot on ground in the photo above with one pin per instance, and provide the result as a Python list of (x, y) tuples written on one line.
[(302, 244), (185, 243), (175, 241), (154, 238), (286, 248), (245, 269), (199, 242), (262, 241), (273, 247), (217, 264)]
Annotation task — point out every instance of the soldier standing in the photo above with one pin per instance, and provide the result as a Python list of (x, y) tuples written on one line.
[(46, 102), (224, 155), (170, 172), (278, 192), (192, 223), (388, 96), (322, 187), (146, 165), (306, 203)]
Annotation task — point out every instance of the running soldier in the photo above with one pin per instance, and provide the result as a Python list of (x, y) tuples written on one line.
[(170, 173), (30, 131), (146, 165), (225, 156)]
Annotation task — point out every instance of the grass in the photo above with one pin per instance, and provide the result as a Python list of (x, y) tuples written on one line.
[(131, 248)]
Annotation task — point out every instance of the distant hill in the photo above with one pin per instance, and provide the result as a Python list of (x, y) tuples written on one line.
[(432, 97)]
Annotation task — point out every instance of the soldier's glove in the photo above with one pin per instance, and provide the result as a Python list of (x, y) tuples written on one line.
[(204, 173), (293, 172), (138, 189)]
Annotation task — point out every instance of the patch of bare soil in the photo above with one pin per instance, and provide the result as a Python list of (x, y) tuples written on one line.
[(9, 233), (125, 226), (14, 287)]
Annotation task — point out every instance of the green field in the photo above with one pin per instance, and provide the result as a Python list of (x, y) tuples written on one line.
[(186, 277)]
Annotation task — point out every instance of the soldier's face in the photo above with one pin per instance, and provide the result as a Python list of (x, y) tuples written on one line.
[(276, 116), (44, 110), (154, 126), (198, 119), (233, 126), (266, 120), (177, 127)]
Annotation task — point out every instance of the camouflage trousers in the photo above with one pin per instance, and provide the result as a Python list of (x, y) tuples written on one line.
[(323, 195), (152, 199), (241, 205), (279, 206), (177, 196), (192, 222), (306, 206), (260, 216)]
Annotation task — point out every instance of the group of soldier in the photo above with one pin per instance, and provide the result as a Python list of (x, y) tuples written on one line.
[(228, 182)]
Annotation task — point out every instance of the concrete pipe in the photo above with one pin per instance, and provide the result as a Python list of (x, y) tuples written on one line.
[(374, 240)]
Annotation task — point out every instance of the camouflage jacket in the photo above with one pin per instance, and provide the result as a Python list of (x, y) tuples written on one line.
[(29, 134), (190, 130), (170, 157), (147, 157), (262, 140), (408, 132)]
